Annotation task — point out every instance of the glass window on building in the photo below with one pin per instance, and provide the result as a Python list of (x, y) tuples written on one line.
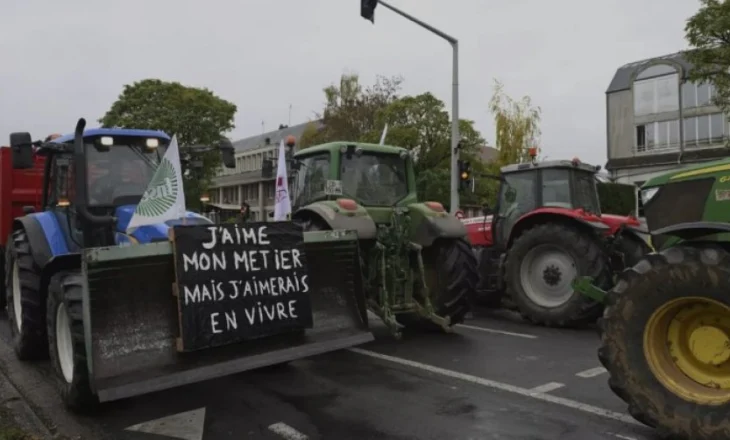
[(703, 130), (689, 95), (718, 127), (656, 90), (690, 131), (704, 95)]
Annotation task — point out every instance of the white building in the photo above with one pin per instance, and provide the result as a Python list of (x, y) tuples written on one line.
[(645, 103)]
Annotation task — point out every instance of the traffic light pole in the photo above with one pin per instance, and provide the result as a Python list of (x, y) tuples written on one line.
[(454, 203)]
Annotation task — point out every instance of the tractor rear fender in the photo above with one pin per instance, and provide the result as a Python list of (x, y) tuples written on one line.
[(534, 218), (36, 231), (694, 230), (427, 224), (337, 217)]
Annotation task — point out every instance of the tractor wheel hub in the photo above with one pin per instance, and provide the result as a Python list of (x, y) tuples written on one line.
[(551, 275), (710, 345)]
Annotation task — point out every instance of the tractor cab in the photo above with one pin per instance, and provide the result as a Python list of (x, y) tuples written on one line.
[(376, 177), (551, 186)]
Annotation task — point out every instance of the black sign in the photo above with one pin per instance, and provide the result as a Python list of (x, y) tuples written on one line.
[(240, 281)]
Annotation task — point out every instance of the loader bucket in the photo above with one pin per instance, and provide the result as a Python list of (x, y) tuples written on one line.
[(131, 319)]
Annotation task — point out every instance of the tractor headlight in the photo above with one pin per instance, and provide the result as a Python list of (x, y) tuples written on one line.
[(648, 194), (153, 143)]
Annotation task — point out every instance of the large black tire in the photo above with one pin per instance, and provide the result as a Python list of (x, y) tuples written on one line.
[(65, 302), (674, 274), (586, 257), (23, 278), (451, 274), (633, 249)]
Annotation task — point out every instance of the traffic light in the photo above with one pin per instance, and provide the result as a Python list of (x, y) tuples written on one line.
[(367, 9), (464, 175)]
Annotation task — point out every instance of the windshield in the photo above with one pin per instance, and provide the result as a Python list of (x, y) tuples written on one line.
[(558, 191), (586, 193), (374, 179), (311, 179), (121, 174)]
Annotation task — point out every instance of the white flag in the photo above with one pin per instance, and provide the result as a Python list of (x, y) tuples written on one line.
[(382, 136), (165, 198), (282, 208)]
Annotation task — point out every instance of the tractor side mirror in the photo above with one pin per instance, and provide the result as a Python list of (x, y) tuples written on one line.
[(267, 169), (227, 153), (21, 150)]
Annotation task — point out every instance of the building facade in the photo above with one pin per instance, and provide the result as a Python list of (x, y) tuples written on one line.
[(234, 186), (657, 120)]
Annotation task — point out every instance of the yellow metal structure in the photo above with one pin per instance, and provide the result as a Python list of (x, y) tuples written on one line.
[(687, 347)]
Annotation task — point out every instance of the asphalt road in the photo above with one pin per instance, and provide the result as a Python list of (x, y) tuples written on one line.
[(496, 378)]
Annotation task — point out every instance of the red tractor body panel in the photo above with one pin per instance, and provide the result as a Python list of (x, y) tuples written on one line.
[(18, 188), (479, 229)]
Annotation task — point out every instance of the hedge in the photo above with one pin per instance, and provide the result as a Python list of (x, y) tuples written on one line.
[(617, 198)]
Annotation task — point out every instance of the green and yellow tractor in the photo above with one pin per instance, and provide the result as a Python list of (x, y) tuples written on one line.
[(665, 333), (419, 269)]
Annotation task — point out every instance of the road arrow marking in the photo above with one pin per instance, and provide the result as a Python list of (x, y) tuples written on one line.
[(187, 425)]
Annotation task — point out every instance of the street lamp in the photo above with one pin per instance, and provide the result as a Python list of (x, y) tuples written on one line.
[(367, 11)]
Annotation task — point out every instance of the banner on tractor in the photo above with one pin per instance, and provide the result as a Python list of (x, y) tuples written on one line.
[(237, 282)]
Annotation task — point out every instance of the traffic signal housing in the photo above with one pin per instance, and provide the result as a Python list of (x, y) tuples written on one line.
[(465, 177), (367, 9)]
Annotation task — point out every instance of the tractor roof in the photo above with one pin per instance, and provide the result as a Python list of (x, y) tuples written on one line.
[(115, 132), (548, 164), (375, 148), (699, 171)]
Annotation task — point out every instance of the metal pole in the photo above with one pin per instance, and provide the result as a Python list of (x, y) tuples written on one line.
[(455, 135)]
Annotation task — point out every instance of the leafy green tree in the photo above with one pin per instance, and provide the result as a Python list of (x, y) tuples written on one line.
[(708, 34), (422, 124), (350, 109), (197, 116), (517, 126)]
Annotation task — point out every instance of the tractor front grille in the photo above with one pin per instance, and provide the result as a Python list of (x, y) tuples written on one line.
[(676, 203)]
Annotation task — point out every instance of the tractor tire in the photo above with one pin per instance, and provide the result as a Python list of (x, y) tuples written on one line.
[(633, 249), (25, 304), (66, 345), (540, 267), (657, 314), (451, 274)]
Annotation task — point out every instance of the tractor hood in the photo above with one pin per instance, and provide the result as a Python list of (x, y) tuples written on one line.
[(150, 233), (699, 171)]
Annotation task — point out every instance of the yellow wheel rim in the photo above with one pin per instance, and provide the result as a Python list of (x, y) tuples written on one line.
[(687, 347)]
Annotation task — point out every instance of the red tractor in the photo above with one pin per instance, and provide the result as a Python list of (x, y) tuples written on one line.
[(546, 230)]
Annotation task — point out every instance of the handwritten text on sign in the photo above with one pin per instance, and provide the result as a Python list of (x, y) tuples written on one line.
[(238, 282)]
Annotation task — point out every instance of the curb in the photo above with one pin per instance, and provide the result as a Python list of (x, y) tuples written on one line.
[(21, 412)]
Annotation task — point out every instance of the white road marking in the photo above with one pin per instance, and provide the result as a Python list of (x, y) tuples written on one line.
[(624, 437), (492, 330), (593, 372), (625, 418), (187, 425), (287, 431), (546, 388)]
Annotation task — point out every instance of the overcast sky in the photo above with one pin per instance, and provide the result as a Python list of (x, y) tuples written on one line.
[(63, 59)]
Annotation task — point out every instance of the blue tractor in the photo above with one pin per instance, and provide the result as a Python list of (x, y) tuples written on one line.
[(100, 301)]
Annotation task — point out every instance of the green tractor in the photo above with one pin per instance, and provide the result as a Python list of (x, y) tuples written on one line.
[(419, 269), (665, 334)]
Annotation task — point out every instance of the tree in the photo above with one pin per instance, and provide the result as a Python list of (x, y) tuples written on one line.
[(708, 34), (197, 116), (350, 110), (517, 126), (422, 124)]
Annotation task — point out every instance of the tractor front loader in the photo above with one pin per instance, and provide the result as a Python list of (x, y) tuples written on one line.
[(103, 304), (419, 269), (665, 334)]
